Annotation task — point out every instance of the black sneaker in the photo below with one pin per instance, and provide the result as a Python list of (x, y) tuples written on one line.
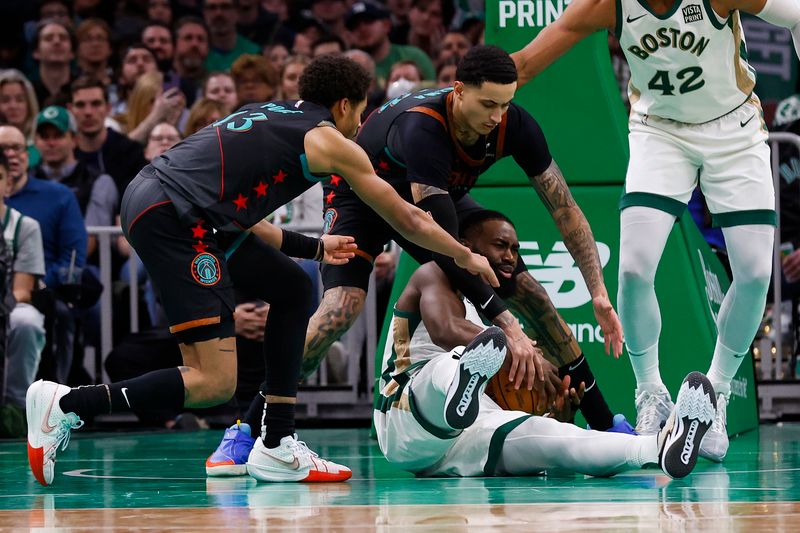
[(680, 438), (481, 360)]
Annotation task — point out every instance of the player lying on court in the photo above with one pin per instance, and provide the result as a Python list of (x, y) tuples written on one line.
[(185, 214), (433, 419), (431, 147), (694, 118)]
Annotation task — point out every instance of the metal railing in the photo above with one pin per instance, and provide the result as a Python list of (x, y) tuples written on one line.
[(337, 400), (779, 393)]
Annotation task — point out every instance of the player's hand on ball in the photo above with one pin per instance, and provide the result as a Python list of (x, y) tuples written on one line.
[(477, 264), (568, 401), (525, 365), (338, 249), (609, 323)]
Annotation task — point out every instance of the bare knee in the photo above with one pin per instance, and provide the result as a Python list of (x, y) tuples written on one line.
[(212, 388)]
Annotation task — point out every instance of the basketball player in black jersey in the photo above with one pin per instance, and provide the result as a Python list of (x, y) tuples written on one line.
[(432, 146), (195, 217)]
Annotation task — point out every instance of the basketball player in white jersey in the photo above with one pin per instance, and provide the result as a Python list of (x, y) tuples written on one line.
[(432, 418), (693, 116)]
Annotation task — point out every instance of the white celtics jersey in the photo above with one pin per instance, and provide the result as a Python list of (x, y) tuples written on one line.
[(409, 346), (686, 65)]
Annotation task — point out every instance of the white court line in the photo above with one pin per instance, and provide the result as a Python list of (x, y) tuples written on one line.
[(80, 473)]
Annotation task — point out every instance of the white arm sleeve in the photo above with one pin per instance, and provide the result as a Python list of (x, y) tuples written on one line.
[(786, 14)]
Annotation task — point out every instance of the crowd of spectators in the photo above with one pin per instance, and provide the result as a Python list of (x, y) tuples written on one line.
[(91, 90)]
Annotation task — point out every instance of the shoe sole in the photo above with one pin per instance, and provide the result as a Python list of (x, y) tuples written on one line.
[(692, 417), (482, 358), (226, 470), (279, 475)]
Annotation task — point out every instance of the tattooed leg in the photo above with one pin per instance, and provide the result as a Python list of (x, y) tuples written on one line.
[(338, 310), (542, 322)]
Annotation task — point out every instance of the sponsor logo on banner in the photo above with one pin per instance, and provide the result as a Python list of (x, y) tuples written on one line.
[(556, 270), (529, 13), (712, 288)]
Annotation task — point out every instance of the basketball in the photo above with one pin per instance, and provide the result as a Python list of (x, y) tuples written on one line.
[(502, 391)]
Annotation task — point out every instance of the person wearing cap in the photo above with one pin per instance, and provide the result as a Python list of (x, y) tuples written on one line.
[(369, 26), (96, 193)]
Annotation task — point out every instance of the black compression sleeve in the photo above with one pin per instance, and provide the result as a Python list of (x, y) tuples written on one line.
[(299, 245), (441, 208)]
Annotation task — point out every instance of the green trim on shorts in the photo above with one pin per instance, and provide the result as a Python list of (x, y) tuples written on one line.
[(656, 201), (236, 244), (744, 218), (496, 444), (439, 433)]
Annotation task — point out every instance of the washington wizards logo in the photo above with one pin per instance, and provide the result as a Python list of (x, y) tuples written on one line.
[(329, 218), (205, 269)]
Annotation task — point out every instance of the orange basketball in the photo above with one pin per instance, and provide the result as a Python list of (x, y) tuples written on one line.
[(502, 391)]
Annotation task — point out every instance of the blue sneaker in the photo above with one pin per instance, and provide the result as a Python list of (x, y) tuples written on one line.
[(230, 457), (621, 425)]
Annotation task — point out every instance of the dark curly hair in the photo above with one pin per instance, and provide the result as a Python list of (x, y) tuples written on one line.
[(486, 63), (479, 217), (328, 79)]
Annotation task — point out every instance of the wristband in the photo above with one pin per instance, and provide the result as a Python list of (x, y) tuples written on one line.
[(298, 245)]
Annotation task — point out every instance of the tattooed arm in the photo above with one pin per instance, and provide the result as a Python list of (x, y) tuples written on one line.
[(579, 240), (557, 198)]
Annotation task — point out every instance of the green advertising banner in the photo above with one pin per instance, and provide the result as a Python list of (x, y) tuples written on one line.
[(690, 284)]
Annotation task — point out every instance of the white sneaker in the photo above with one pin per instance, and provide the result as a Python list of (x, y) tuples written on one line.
[(715, 446), (292, 461), (652, 410), (48, 427), (479, 361), (679, 440)]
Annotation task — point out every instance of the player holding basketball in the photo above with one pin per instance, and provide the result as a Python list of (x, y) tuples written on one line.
[(431, 147), (693, 112), (432, 419), (186, 216)]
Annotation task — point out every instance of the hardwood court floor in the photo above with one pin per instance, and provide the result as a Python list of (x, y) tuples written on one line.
[(156, 482)]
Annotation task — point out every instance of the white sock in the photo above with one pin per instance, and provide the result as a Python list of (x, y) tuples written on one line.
[(643, 234), (750, 253)]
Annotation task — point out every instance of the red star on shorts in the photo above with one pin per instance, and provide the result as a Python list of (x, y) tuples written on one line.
[(335, 180), (261, 190), (383, 165), (329, 197), (200, 247), (198, 232), (279, 177), (241, 202)]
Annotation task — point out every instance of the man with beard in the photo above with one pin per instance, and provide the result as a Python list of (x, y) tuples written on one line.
[(432, 418), (191, 51)]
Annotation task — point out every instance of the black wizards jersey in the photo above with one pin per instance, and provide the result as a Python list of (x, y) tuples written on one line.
[(412, 139), (236, 171)]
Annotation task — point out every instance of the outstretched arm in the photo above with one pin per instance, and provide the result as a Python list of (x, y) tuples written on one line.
[(579, 240), (580, 19), (329, 152), (783, 13)]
